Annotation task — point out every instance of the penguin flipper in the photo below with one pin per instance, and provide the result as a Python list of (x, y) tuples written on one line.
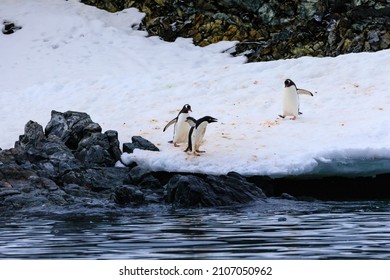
[(170, 123), (304, 91)]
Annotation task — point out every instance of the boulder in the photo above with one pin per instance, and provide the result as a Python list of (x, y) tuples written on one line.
[(85, 138), (194, 191), (141, 143), (128, 194)]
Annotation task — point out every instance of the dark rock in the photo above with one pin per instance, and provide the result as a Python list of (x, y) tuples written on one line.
[(114, 146), (137, 174), (10, 27), (263, 182), (70, 127), (33, 135), (49, 156), (54, 169), (128, 194), (186, 191), (98, 179), (144, 178), (139, 143), (8, 192), (25, 189), (233, 189), (82, 136), (94, 150)]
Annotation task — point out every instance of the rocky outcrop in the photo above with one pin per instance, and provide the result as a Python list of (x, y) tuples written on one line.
[(70, 165), (268, 29)]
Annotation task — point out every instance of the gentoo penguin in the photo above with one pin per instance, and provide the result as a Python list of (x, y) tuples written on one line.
[(181, 128), (291, 99), (196, 134), (191, 121)]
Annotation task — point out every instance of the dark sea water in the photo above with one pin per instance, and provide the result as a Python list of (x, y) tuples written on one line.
[(278, 229)]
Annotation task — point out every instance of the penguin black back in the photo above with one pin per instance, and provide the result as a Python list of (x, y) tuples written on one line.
[(196, 133)]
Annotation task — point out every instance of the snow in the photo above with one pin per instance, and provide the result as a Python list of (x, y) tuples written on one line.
[(69, 56)]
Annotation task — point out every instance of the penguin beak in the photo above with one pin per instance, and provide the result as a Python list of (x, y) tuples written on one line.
[(213, 120)]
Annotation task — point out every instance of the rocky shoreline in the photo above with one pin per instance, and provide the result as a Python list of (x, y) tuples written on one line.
[(268, 30), (71, 163)]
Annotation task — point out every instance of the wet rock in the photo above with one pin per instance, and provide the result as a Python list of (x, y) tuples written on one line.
[(232, 189), (128, 194), (144, 178), (97, 179), (8, 192), (25, 189)]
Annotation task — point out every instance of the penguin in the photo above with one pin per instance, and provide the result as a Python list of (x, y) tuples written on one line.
[(196, 133), (181, 128), (191, 121), (291, 99)]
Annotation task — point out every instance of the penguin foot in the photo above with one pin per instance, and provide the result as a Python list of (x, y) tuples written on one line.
[(294, 118), (282, 116), (176, 145)]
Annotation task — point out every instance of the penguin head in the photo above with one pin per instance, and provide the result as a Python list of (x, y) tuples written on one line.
[(186, 108), (289, 83), (191, 121), (206, 119), (209, 119)]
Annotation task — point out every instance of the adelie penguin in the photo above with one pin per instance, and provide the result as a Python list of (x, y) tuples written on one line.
[(197, 132), (181, 128), (291, 99)]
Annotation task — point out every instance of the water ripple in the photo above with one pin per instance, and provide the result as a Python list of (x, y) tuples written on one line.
[(279, 230)]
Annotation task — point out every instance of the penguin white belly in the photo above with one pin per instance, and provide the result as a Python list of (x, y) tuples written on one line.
[(181, 129), (290, 102), (197, 136)]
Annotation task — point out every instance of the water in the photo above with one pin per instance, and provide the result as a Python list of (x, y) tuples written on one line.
[(280, 229)]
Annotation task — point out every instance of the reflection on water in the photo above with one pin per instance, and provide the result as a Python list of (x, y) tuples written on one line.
[(281, 229)]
